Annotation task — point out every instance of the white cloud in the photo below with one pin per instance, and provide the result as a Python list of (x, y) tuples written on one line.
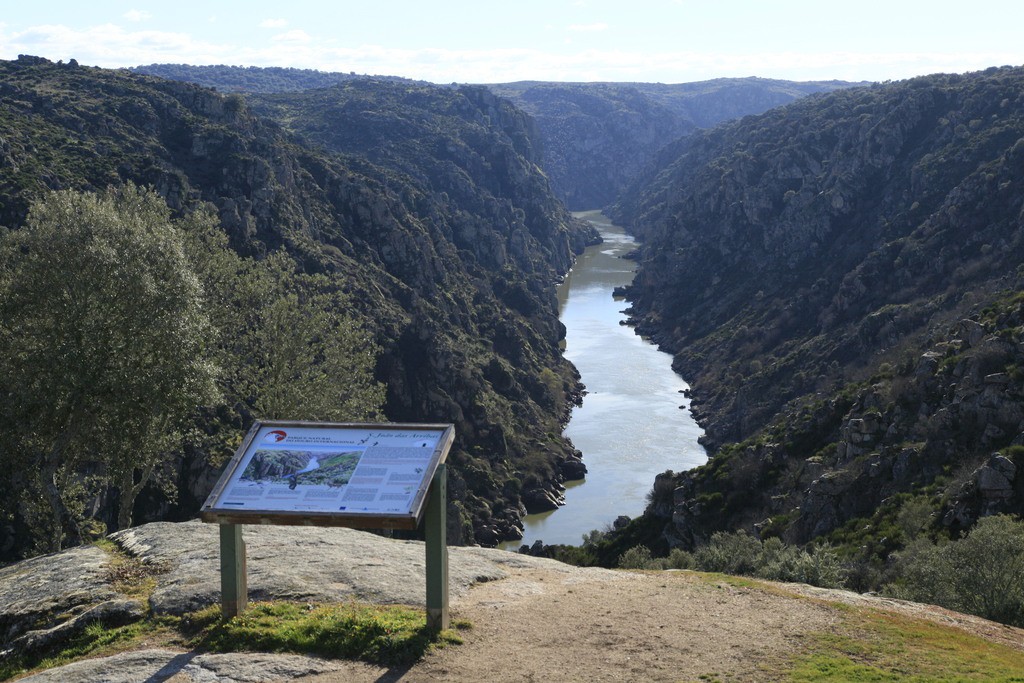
[(273, 23), (137, 15), (110, 45), (293, 36), (586, 28)]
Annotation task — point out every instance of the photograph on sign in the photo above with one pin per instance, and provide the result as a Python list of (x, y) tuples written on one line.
[(377, 469)]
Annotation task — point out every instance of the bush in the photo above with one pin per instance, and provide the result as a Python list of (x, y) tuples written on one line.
[(736, 553), (982, 573), (820, 567), (637, 557), (679, 559), (741, 553)]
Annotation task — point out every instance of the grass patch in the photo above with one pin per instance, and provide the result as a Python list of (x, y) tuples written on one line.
[(880, 646), (94, 640), (390, 635), (386, 635), (721, 581)]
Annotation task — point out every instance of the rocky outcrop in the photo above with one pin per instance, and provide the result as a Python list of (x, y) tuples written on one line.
[(190, 667), (572, 467), (992, 488), (337, 564), (45, 601), (541, 500), (34, 591)]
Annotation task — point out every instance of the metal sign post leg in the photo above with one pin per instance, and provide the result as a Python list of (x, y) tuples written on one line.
[(437, 551), (233, 581)]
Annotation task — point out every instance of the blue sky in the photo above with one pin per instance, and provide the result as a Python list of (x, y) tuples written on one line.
[(667, 41)]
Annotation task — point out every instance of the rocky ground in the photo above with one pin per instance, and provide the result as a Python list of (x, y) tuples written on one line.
[(532, 619)]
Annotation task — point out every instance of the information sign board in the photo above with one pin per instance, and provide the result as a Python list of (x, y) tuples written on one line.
[(330, 474)]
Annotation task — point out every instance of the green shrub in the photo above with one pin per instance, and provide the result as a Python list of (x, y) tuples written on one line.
[(820, 567), (729, 553), (679, 559), (637, 557), (982, 573), (740, 553)]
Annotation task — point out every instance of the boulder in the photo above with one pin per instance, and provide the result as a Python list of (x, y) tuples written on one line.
[(572, 468), (190, 667), (540, 500), (317, 564), (39, 593), (995, 479), (971, 331)]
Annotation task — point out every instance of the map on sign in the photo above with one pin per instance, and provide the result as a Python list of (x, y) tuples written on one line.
[(326, 468)]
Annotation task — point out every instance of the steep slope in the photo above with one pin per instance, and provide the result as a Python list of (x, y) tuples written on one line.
[(839, 281), (598, 137), (464, 308), (473, 153), (475, 157)]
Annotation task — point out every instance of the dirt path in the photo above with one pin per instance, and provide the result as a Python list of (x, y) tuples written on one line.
[(595, 625)]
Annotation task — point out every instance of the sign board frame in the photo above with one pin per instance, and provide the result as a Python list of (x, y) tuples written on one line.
[(346, 441)]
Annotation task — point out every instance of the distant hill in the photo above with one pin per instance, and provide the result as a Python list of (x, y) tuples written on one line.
[(840, 279), (253, 79), (595, 137), (599, 136)]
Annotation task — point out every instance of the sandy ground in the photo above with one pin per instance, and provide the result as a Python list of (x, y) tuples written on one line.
[(594, 625)]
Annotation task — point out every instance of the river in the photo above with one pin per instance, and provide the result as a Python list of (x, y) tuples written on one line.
[(634, 422)]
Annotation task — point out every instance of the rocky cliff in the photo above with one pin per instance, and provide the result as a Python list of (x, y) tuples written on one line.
[(838, 279), (450, 245)]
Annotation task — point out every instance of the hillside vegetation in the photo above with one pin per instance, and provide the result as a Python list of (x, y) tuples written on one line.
[(446, 252), (840, 279)]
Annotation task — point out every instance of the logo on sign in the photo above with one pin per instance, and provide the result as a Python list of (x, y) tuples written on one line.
[(275, 436)]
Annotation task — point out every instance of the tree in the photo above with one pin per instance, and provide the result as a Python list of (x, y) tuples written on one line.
[(103, 331), (310, 361), (289, 346)]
